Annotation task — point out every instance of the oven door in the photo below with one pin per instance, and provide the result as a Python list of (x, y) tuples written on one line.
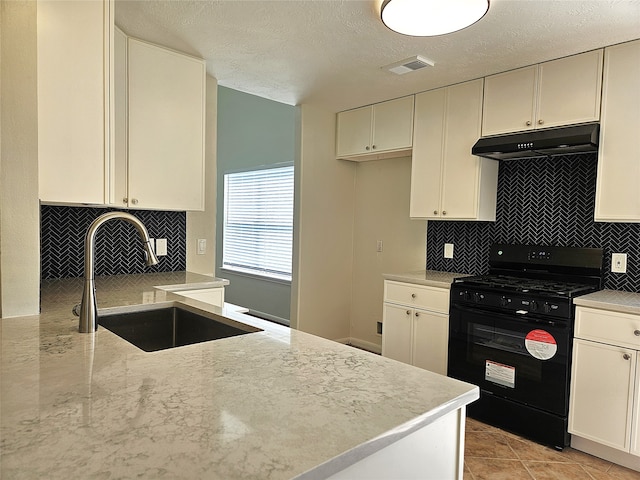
[(513, 357)]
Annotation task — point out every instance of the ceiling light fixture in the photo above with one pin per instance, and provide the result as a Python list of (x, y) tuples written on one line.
[(426, 18)]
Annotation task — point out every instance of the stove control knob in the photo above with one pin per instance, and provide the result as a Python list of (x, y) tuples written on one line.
[(533, 306), (547, 307), (466, 296), (504, 301), (478, 297)]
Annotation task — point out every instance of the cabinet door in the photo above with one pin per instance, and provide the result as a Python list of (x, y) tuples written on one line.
[(430, 341), (426, 164), (354, 132), (74, 106), (617, 192), (393, 124), (119, 166), (396, 332), (166, 93), (569, 90), (509, 101), (461, 170), (602, 385)]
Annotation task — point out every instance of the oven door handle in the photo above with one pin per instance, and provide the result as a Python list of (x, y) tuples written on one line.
[(515, 317)]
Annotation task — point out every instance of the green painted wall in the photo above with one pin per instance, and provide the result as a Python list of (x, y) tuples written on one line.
[(253, 132)]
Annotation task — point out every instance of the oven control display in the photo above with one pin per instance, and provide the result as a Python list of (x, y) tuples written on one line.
[(539, 254), (541, 344)]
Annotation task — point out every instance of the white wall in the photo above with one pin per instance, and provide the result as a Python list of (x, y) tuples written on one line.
[(19, 206), (381, 213), (203, 224), (321, 287)]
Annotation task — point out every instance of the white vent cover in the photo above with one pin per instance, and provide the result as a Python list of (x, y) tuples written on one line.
[(409, 65)]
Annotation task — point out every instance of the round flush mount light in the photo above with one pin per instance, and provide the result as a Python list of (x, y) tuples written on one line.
[(426, 18)]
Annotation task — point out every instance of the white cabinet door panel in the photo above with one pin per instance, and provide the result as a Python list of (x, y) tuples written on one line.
[(396, 333)]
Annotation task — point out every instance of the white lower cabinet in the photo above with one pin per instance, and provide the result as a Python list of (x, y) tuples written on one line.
[(415, 325), (605, 397)]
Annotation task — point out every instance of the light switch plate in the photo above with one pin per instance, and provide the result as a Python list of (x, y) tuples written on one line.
[(619, 262), (161, 247), (201, 246), (448, 250)]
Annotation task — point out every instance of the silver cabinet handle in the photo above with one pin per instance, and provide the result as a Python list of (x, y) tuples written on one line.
[(528, 123), (417, 314), (373, 147), (540, 122), (125, 200), (636, 333), (367, 147), (134, 201), (435, 212), (444, 212), (408, 312), (626, 356), (413, 295)]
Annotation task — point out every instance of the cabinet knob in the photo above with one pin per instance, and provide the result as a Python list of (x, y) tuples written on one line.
[(408, 312), (626, 356), (444, 212), (636, 333), (413, 295), (435, 212), (367, 147), (373, 147), (540, 122), (417, 314), (528, 123), (134, 201), (125, 200)]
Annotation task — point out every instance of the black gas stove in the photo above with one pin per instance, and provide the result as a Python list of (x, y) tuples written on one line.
[(511, 333)]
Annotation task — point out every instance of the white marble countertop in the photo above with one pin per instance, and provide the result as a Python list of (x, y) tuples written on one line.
[(618, 301), (431, 278), (268, 405)]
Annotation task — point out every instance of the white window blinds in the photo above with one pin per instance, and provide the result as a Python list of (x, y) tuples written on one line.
[(258, 222)]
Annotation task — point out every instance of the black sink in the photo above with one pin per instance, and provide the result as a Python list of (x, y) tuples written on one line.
[(159, 329)]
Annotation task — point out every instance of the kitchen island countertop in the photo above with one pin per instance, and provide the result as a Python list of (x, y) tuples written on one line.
[(271, 405)]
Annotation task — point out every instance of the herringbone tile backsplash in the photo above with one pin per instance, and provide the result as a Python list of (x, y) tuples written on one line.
[(118, 247), (544, 201)]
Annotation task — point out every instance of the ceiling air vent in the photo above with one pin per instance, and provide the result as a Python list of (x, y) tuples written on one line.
[(409, 65)]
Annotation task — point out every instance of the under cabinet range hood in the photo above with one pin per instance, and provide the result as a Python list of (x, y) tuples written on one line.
[(539, 143)]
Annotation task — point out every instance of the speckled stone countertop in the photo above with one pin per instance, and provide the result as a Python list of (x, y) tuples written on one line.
[(268, 405), (430, 278), (625, 302)]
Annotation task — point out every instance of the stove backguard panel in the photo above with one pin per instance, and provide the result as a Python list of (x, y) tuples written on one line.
[(542, 201), (118, 247)]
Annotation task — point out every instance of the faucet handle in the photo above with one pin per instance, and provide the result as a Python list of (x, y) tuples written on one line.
[(76, 310)]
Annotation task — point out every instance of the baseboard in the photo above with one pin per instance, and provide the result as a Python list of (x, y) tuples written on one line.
[(602, 451), (371, 347)]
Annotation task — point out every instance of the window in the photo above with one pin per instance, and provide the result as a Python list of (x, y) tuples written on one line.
[(258, 222)]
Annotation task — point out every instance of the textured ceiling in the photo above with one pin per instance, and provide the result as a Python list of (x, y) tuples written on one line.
[(331, 51)]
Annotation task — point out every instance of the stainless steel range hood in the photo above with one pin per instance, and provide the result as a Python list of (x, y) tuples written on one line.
[(539, 143)]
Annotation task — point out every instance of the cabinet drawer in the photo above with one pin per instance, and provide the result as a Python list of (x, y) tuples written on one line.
[(608, 327), (430, 298)]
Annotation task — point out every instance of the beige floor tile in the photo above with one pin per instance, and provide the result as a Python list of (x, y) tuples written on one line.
[(555, 471), (527, 450), (497, 469), (487, 445), (622, 473), (585, 459)]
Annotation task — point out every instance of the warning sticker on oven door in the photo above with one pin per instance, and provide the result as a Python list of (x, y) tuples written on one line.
[(504, 375), (541, 344)]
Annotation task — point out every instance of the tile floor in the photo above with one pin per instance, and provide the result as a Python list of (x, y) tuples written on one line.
[(493, 454)]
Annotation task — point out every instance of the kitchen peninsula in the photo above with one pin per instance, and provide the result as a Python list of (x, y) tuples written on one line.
[(274, 404)]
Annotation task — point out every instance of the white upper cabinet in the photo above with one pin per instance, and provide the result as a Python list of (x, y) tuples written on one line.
[(560, 92), (74, 103), (383, 130), (447, 182), (617, 192), (166, 120)]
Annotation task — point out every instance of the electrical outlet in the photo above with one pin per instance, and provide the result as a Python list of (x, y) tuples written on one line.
[(201, 246), (161, 247), (448, 250), (379, 246), (619, 262)]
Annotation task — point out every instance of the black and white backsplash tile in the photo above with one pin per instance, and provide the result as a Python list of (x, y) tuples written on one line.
[(544, 201), (118, 247)]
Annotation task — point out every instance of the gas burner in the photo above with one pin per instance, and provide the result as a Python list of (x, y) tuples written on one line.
[(528, 285)]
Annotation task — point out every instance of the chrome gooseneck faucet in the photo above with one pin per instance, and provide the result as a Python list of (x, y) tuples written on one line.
[(88, 311)]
